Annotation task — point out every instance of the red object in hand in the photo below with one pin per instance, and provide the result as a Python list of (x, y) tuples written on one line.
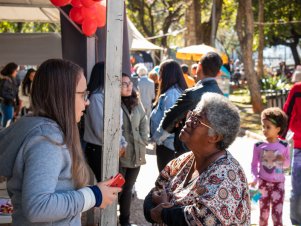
[(118, 181), (60, 3)]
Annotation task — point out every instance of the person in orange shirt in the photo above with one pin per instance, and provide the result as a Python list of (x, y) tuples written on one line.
[(189, 81)]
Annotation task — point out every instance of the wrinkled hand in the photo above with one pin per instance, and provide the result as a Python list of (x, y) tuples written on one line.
[(109, 194), (156, 212), (121, 152), (160, 196)]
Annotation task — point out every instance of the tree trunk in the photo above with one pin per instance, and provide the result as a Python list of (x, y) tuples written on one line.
[(204, 29), (260, 71), (293, 47), (245, 29), (192, 18), (197, 32)]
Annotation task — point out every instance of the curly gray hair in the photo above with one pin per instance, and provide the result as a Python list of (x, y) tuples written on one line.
[(222, 115)]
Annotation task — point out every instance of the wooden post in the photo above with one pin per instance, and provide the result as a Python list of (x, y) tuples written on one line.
[(113, 69)]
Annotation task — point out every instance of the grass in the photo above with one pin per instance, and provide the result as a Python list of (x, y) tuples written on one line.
[(249, 120)]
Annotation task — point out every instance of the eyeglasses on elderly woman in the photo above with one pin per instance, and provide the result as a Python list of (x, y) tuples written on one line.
[(196, 120)]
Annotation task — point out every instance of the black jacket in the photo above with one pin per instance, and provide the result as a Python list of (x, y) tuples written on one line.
[(8, 91), (186, 102)]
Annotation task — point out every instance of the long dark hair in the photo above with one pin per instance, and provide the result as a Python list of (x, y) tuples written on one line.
[(9, 69), (131, 101), (26, 84), (97, 77), (53, 96), (170, 74)]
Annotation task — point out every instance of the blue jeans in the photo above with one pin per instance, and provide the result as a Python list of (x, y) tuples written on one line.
[(295, 199), (7, 113)]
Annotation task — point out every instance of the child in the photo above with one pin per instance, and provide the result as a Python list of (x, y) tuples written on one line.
[(269, 159)]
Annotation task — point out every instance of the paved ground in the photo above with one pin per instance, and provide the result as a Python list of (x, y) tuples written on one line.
[(241, 149)]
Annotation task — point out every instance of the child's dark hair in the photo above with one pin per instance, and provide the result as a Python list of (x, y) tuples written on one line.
[(276, 116)]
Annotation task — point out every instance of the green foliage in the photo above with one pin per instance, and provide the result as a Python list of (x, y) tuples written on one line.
[(281, 18), (274, 82), (226, 33), (28, 27)]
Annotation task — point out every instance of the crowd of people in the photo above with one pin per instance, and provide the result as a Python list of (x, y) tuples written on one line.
[(181, 110)]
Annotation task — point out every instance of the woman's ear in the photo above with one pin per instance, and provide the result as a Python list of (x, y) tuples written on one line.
[(215, 138)]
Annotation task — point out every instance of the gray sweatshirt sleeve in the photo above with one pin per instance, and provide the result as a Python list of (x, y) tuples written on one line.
[(94, 120), (47, 167)]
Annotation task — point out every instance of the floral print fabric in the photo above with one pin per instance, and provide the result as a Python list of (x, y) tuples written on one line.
[(218, 196), (272, 198)]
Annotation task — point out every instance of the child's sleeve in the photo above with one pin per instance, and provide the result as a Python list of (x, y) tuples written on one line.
[(287, 159), (255, 163)]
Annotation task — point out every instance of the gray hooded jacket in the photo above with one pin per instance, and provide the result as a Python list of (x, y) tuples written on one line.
[(38, 171)]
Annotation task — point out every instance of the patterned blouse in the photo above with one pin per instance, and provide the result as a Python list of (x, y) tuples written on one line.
[(219, 196)]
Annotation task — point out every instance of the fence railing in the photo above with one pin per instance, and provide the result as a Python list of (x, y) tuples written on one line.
[(275, 98)]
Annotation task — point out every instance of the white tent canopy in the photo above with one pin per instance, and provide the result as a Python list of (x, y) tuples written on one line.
[(138, 41), (28, 10), (44, 11), (29, 48)]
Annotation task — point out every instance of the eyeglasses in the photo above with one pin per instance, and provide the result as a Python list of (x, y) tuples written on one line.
[(126, 84), (196, 120), (85, 95)]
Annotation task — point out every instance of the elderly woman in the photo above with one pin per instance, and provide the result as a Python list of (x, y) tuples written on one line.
[(206, 186)]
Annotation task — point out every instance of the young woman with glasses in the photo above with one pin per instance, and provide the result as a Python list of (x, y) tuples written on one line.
[(46, 171), (135, 131)]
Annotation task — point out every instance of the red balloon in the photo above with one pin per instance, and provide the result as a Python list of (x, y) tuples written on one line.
[(89, 26), (76, 15), (90, 12), (76, 3), (88, 3), (60, 3), (101, 15)]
